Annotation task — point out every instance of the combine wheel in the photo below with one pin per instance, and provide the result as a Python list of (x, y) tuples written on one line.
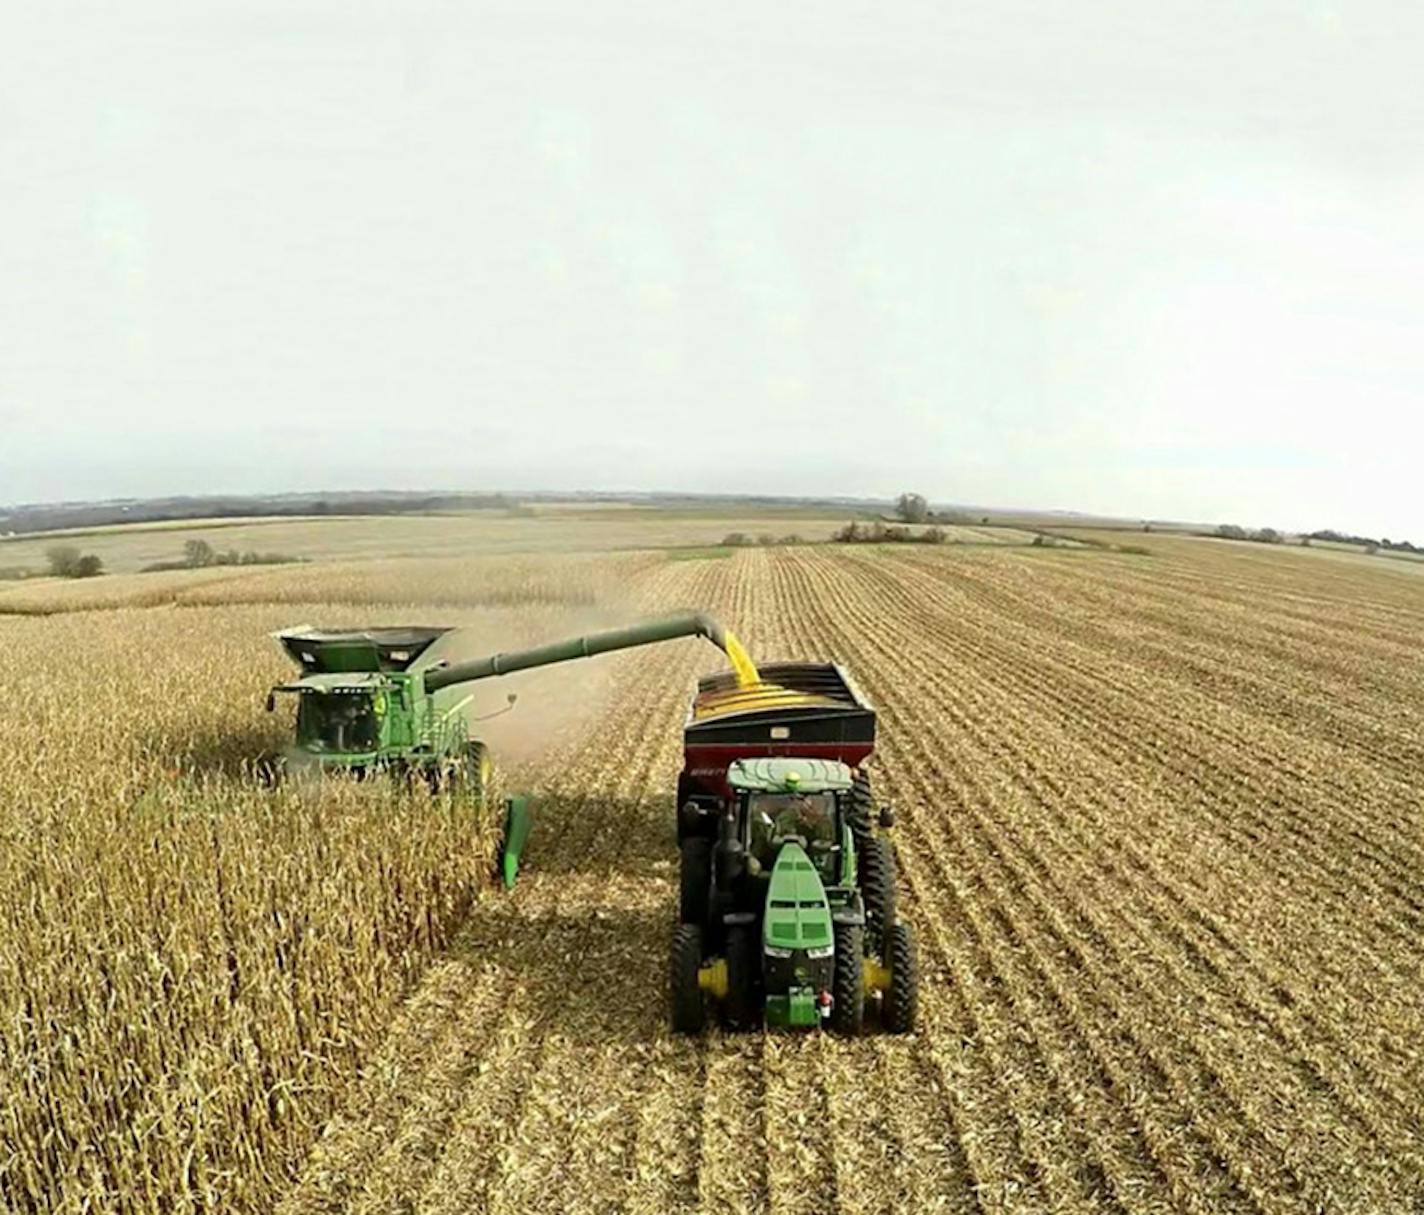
[(877, 886), (479, 771), (847, 990), (743, 1007), (695, 885), (902, 999), (268, 770), (687, 1010)]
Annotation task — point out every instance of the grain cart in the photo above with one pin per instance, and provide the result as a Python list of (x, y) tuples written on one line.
[(787, 888), (380, 698)]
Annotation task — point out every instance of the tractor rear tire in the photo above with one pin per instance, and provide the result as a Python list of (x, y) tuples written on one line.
[(877, 886), (862, 808), (902, 999), (847, 986), (688, 1013), (743, 1007), (695, 881)]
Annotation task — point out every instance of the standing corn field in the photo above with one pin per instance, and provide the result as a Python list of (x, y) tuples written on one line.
[(1159, 833)]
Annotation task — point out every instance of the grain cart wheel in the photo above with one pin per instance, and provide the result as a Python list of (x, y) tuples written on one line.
[(695, 880), (743, 1007), (902, 998), (877, 887), (687, 1010), (847, 989)]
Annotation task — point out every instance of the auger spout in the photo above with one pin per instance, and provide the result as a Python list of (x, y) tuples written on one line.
[(649, 632)]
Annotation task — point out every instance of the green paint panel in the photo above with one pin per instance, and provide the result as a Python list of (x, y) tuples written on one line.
[(796, 1009), (798, 915), (517, 825)]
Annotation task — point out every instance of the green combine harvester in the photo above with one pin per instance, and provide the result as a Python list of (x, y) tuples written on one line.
[(381, 699)]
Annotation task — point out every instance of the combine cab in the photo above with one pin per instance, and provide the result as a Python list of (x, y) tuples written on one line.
[(787, 893)]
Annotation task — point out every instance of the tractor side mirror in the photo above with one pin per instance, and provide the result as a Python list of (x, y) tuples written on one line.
[(271, 701), (887, 816)]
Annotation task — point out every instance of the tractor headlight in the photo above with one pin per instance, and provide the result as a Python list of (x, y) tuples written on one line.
[(773, 951), (824, 952)]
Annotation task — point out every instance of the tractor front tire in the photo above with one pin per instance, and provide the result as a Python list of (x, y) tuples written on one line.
[(743, 1007), (877, 886), (688, 1013), (847, 988), (902, 999), (695, 880)]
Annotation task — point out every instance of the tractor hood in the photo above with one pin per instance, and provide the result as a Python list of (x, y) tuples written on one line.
[(798, 915), (332, 651)]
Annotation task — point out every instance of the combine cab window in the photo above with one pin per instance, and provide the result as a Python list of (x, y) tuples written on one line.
[(338, 722), (810, 817)]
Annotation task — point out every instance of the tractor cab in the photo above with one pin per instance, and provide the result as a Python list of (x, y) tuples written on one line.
[(801, 801)]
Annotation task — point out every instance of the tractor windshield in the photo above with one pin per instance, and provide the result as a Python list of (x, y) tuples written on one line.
[(337, 722), (778, 817)]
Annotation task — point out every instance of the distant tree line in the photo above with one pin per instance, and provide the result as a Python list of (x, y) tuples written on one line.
[(66, 561), (1264, 535), (50, 517), (199, 554), (1368, 543), (887, 533), (765, 540)]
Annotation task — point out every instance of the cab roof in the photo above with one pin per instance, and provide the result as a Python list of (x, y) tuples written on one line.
[(348, 681), (780, 775)]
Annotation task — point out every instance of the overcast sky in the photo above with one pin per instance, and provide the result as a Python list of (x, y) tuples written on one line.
[(1158, 259)]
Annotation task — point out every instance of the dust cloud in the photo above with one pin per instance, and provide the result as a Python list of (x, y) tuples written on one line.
[(554, 704)]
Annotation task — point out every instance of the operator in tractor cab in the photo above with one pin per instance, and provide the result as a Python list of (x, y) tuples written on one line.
[(777, 817)]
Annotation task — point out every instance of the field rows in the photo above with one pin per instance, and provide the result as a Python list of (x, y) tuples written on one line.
[(1159, 833)]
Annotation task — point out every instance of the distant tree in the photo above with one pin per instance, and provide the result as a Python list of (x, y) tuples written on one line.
[(1305, 542), (66, 561), (63, 560), (197, 553), (1231, 531), (1371, 548), (912, 508), (1267, 535), (736, 540)]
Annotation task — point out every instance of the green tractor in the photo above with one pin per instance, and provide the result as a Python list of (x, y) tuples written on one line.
[(787, 905)]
